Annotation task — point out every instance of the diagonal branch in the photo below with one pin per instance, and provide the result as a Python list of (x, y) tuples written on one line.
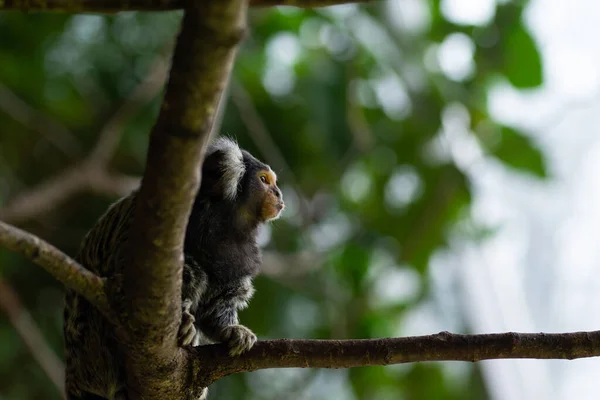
[(112, 6), (92, 173), (31, 336), (50, 129), (45, 196), (58, 264), (214, 363), (202, 62), (55, 191), (150, 86)]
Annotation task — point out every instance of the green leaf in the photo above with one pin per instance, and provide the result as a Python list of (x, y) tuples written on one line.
[(519, 152), (522, 64)]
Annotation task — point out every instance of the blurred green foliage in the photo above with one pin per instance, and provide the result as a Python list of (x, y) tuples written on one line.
[(362, 102)]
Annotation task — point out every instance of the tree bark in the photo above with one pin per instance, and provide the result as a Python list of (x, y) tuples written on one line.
[(66, 270), (203, 59), (214, 362), (113, 6)]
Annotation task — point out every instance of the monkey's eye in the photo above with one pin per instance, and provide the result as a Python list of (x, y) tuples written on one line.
[(263, 179)]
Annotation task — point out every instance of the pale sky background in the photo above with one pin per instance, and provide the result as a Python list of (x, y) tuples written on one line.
[(541, 271)]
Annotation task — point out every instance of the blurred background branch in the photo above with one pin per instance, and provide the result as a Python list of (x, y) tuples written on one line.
[(48, 128), (48, 195), (92, 173), (31, 335)]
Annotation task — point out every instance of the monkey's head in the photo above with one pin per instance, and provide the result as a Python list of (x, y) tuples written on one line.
[(235, 178)]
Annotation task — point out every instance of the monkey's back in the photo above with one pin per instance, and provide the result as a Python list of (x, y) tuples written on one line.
[(93, 357)]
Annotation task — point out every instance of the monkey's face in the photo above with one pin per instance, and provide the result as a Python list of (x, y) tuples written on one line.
[(260, 193), (272, 204), (260, 197), (233, 176)]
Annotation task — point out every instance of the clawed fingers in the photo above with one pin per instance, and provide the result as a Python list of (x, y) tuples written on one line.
[(238, 338), (187, 330)]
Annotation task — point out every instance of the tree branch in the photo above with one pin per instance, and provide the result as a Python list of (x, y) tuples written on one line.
[(213, 362), (113, 6), (202, 62), (58, 264)]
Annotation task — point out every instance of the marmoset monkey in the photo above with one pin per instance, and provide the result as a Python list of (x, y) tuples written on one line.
[(221, 256)]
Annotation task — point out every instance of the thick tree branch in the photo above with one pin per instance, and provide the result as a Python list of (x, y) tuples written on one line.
[(203, 58), (58, 264), (112, 6), (213, 362)]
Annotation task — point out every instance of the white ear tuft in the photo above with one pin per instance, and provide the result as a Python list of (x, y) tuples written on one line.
[(232, 164)]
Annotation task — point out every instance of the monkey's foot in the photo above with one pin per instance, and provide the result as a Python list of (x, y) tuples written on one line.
[(187, 329), (238, 338)]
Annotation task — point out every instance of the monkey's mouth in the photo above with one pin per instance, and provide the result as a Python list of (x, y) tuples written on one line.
[(278, 210)]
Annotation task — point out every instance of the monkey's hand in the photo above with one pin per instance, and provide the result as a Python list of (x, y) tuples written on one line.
[(238, 338), (187, 329)]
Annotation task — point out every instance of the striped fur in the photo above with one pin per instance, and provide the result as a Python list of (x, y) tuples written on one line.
[(93, 365)]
